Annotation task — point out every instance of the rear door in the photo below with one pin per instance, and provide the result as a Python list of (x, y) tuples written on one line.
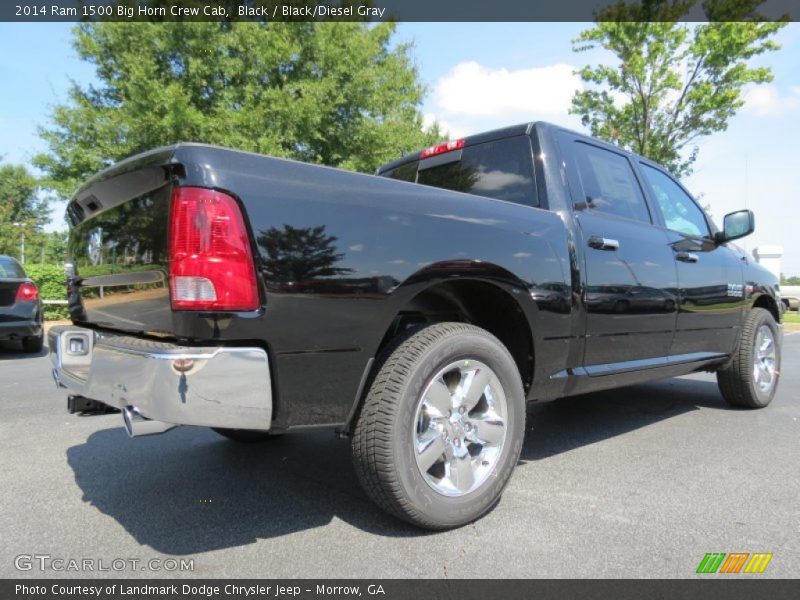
[(629, 271), (711, 292)]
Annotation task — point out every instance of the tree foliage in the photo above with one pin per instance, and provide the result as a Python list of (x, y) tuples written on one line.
[(793, 280), (673, 83), (338, 94), (22, 211)]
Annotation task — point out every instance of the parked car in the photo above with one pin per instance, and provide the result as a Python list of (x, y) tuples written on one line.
[(790, 295), (416, 311), (20, 306)]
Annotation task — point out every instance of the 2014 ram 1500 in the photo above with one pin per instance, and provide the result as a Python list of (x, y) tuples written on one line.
[(415, 311)]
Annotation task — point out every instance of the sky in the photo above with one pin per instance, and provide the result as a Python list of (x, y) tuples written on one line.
[(480, 76)]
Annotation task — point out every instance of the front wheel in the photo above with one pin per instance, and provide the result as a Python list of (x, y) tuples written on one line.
[(442, 427), (751, 379)]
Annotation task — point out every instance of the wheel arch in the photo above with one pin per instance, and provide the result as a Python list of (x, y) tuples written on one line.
[(768, 303), (482, 303), (460, 299)]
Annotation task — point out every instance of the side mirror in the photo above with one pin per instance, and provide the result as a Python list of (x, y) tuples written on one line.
[(736, 225)]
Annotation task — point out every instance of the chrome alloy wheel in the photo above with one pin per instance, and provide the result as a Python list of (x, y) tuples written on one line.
[(764, 360), (461, 426)]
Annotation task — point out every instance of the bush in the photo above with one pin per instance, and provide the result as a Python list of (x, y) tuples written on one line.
[(52, 283)]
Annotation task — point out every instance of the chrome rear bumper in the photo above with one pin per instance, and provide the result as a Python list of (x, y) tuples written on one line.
[(215, 386)]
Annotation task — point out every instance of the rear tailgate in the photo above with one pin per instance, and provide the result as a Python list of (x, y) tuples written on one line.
[(11, 276), (8, 290), (118, 246)]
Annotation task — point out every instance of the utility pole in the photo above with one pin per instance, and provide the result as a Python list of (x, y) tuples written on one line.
[(22, 243)]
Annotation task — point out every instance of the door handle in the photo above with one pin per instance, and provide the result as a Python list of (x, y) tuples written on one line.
[(688, 257), (601, 243)]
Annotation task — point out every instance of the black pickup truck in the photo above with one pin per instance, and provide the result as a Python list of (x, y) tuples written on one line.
[(415, 311)]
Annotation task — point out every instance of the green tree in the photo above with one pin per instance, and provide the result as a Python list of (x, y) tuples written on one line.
[(794, 280), (22, 211), (338, 94), (46, 248), (673, 83)]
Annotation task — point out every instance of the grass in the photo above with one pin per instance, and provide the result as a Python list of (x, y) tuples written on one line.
[(791, 316)]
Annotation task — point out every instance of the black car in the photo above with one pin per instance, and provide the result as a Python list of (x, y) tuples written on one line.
[(20, 306)]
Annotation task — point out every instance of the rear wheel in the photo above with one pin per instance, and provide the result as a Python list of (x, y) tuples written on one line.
[(33, 344), (751, 379), (442, 427), (246, 436)]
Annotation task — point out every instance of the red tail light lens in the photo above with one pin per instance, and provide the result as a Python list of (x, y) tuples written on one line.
[(27, 291), (442, 148), (211, 265)]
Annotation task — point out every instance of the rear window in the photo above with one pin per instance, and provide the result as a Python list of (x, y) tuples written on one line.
[(499, 169), (10, 269), (406, 172)]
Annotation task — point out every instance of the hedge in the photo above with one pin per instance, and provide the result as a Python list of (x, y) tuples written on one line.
[(52, 283)]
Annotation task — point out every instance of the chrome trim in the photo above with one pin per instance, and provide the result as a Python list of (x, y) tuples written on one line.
[(137, 425), (213, 386), (602, 243), (765, 361), (460, 428), (691, 257), (57, 379)]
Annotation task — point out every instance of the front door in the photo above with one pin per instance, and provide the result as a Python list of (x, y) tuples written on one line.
[(710, 280)]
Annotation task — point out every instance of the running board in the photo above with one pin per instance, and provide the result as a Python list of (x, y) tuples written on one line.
[(638, 365)]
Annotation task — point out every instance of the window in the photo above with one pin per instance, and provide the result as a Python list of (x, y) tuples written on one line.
[(681, 213), (406, 172), (609, 183), (10, 269), (502, 169)]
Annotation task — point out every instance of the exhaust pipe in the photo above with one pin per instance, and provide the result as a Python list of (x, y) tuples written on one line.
[(57, 379), (138, 425)]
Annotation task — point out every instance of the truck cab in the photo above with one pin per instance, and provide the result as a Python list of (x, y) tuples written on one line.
[(656, 283)]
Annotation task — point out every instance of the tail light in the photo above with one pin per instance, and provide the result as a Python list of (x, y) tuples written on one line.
[(211, 264), (27, 291), (442, 148)]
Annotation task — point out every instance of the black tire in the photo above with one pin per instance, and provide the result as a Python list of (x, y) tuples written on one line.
[(33, 344), (737, 380), (384, 443), (246, 436)]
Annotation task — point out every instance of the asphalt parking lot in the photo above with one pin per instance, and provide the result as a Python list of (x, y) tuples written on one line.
[(639, 482)]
